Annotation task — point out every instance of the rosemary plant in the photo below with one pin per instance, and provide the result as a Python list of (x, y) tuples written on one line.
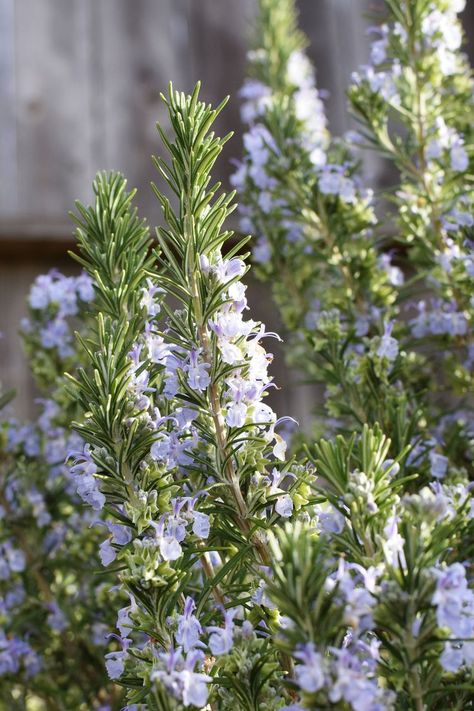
[(210, 569), (186, 455), (250, 579), (382, 353)]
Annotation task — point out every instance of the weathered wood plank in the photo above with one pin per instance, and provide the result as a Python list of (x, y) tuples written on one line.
[(8, 126), (53, 114), (142, 48)]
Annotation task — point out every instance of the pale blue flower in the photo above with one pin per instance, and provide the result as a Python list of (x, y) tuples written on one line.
[(221, 640), (198, 376), (309, 674), (107, 552), (189, 628), (181, 679), (115, 661), (439, 465), (388, 346), (87, 484), (201, 524), (56, 617)]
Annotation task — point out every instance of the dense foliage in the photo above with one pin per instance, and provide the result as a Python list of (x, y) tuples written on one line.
[(239, 570)]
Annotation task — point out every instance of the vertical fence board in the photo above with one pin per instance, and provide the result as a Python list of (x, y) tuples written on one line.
[(8, 127), (143, 46), (220, 35), (54, 151)]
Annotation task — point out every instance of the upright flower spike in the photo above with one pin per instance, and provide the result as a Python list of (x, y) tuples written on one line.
[(302, 195), (414, 102), (181, 445), (217, 355), (301, 189), (416, 53)]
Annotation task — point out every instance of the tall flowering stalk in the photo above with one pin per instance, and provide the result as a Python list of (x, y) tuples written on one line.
[(184, 451), (415, 104), (303, 196)]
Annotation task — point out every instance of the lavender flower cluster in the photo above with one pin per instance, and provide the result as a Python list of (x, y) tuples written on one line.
[(435, 202), (54, 298), (176, 393), (44, 532)]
